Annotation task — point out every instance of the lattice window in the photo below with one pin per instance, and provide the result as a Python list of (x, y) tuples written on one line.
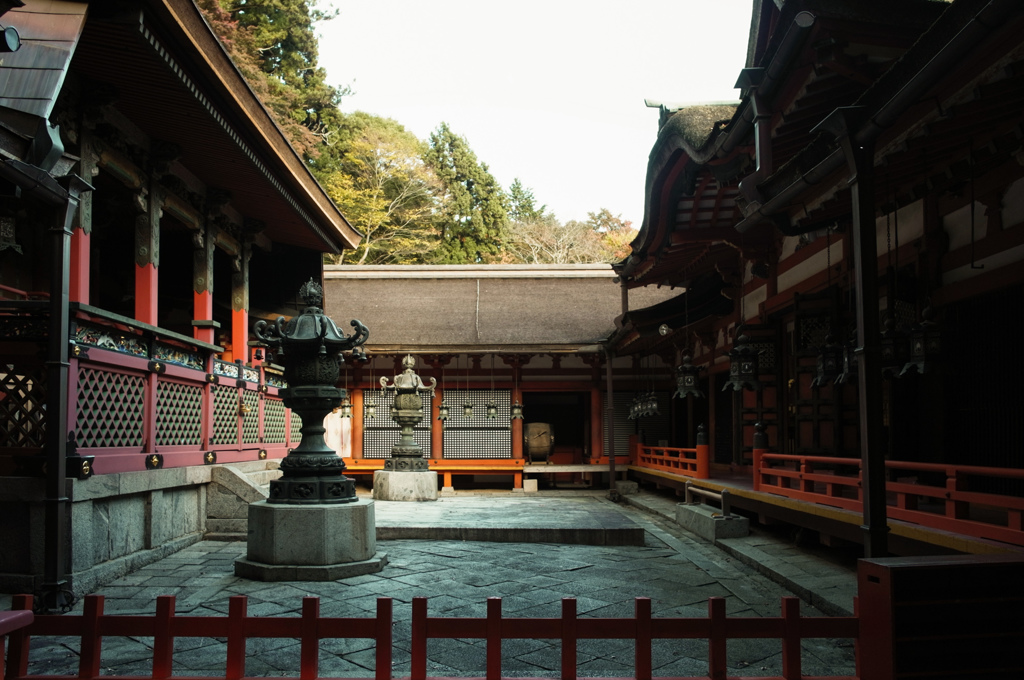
[(110, 409), (273, 421), (225, 415), (381, 433), (22, 400), (251, 420), (478, 436), (179, 414), (296, 431)]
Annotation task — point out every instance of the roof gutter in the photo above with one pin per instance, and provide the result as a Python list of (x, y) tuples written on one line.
[(987, 20)]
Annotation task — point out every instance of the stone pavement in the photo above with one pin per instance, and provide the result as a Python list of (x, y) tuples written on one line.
[(677, 571)]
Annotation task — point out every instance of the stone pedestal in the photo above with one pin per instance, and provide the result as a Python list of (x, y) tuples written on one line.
[(709, 523), (310, 542), (404, 486)]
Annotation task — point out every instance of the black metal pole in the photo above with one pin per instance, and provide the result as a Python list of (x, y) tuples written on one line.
[(860, 158)]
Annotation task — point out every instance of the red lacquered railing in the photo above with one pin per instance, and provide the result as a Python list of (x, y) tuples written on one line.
[(92, 626), (952, 506), (695, 462)]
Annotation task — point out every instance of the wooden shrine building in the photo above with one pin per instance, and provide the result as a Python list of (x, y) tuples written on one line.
[(145, 196), (850, 237)]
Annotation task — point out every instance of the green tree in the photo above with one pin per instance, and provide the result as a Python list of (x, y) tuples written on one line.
[(273, 44), (522, 206), (473, 220), (387, 192)]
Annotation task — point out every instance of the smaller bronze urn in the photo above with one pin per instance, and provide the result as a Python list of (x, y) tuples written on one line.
[(310, 346), (407, 455)]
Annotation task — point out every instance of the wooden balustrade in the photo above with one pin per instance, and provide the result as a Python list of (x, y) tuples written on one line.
[(951, 506), (92, 626), (692, 462)]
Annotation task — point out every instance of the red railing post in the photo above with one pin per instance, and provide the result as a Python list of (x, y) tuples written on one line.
[(382, 665), (309, 650), (642, 653), (92, 642), (163, 638), (235, 667), (717, 665), (14, 625), (418, 668), (791, 664), (703, 455), (494, 638), (569, 639)]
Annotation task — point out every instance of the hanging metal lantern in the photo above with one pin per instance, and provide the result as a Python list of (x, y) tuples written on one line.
[(371, 409), (467, 409), (517, 411), (345, 408), (651, 405), (895, 348), (492, 409), (830, 361), (925, 344), (744, 366), (688, 380), (442, 411), (848, 372)]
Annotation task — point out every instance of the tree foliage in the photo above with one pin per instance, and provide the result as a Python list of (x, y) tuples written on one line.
[(414, 202), (387, 192), (473, 216)]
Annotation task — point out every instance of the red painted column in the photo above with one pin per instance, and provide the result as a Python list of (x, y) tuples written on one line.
[(437, 426), (240, 308), (517, 425), (204, 327), (357, 423), (78, 286), (146, 290)]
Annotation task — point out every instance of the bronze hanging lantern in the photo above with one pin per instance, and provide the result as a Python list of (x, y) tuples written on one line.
[(744, 366), (517, 411), (848, 371), (925, 344), (688, 380), (345, 409), (895, 348), (442, 411), (830, 362)]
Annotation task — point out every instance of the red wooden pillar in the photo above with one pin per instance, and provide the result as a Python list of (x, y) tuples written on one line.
[(147, 258), (204, 327), (81, 234), (78, 286), (357, 423), (240, 308), (437, 426)]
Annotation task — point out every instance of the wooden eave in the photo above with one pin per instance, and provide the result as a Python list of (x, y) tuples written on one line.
[(977, 104), (176, 82)]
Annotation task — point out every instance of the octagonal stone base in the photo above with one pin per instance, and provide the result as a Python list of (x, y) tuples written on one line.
[(310, 542), (390, 485)]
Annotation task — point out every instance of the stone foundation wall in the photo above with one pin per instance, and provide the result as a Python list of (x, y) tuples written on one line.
[(116, 523)]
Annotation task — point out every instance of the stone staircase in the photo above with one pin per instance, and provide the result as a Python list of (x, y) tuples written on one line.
[(232, 488)]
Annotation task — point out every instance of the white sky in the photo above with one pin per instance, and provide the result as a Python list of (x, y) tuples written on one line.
[(549, 91)]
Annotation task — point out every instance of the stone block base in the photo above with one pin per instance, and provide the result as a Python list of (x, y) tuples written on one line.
[(310, 542), (709, 523), (627, 488), (404, 486), (257, 571), (529, 486)]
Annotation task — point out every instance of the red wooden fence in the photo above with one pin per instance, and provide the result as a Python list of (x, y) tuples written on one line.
[(717, 628), (947, 506)]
